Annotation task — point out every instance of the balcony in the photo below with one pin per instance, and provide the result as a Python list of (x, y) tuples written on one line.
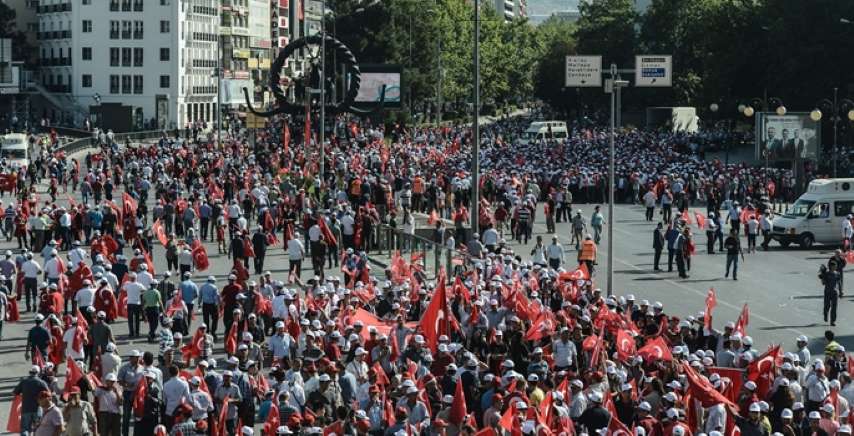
[(49, 9), (126, 34)]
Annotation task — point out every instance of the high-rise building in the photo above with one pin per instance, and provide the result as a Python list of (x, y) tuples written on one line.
[(512, 9), (136, 63)]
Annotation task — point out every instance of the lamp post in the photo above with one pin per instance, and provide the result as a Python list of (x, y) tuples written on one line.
[(475, 155), (837, 108), (616, 96)]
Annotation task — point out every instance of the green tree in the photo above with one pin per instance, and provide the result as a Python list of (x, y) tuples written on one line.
[(607, 28), (558, 39)]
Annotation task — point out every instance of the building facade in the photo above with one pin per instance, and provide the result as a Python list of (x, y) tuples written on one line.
[(512, 9)]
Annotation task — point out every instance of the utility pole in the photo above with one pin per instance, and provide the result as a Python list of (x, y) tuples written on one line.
[(616, 96), (475, 155), (322, 89), (218, 82)]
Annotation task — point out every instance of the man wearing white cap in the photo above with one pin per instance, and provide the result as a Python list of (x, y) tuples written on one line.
[(596, 417), (817, 387), (228, 390), (803, 350), (129, 376), (200, 400), (29, 389), (109, 398), (357, 366)]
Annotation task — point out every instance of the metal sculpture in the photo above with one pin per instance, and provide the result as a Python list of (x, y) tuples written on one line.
[(344, 56)]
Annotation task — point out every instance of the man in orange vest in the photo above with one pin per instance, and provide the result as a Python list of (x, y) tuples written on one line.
[(587, 254)]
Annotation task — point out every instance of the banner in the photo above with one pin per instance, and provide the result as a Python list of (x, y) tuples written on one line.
[(783, 137)]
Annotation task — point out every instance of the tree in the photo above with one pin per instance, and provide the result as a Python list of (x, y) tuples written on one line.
[(21, 49), (558, 39), (607, 28)]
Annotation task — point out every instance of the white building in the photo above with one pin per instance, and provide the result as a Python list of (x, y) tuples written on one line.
[(150, 60), (512, 9)]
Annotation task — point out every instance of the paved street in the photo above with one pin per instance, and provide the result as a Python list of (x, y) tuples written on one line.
[(780, 286)]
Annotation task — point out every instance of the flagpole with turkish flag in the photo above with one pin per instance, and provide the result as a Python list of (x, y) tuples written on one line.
[(458, 405), (434, 322)]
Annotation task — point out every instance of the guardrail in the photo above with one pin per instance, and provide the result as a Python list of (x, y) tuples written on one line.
[(118, 138), (387, 240)]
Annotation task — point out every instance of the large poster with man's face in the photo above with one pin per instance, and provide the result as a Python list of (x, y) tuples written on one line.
[(785, 137)]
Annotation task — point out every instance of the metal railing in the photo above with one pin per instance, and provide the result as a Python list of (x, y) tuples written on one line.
[(118, 138), (386, 241)]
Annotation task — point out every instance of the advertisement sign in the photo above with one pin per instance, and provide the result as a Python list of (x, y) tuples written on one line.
[(374, 76), (653, 70), (783, 137), (259, 22), (232, 91), (583, 71)]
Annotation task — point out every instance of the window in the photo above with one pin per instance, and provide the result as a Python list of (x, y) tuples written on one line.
[(126, 56), (87, 26), (137, 5), (114, 56), (137, 30), (87, 2), (114, 84), (126, 84), (87, 80), (137, 57), (164, 54), (125, 5), (164, 81), (137, 84), (164, 26), (126, 26), (164, 2), (114, 29), (114, 5), (843, 208), (87, 53)]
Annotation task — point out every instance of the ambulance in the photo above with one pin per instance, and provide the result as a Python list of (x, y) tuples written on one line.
[(817, 216), (15, 149), (539, 130)]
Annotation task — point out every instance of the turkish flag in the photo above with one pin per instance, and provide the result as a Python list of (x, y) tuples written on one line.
[(286, 137), (83, 272), (433, 218), (175, 305), (328, 237), (711, 302), (655, 349), (110, 245), (272, 421), (38, 359), (701, 220), (435, 320), (231, 340), (762, 370), (72, 376), (686, 217), (743, 320), (14, 424), (702, 390), (200, 258), (543, 326), (735, 376), (334, 429), (458, 406), (123, 303), (12, 313), (159, 232), (625, 345), (130, 204), (223, 414), (139, 398)]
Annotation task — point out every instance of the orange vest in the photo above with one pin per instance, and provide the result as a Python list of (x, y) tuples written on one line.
[(356, 188), (588, 250), (418, 185)]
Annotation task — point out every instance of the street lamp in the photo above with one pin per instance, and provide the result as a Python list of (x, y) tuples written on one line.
[(836, 108), (714, 108)]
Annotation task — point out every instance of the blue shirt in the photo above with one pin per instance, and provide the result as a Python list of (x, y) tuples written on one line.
[(671, 237), (189, 291), (209, 294)]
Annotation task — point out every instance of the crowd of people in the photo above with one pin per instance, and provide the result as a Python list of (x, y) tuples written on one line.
[(510, 342)]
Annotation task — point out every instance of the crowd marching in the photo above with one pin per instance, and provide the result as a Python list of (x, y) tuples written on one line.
[(509, 343)]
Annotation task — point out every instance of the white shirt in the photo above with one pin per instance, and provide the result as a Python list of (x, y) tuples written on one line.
[(85, 297), (134, 291), (31, 269), (314, 233), (76, 256), (847, 229), (296, 250), (202, 404), (144, 278), (68, 338), (716, 420), (490, 237), (564, 353), (347, 223), (175, 390), (52, 268), (555, 251)]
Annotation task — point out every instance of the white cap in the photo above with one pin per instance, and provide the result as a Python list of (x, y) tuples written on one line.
[(646, 407), (750, 386), (755, 407), (324, 378), (844, 428), (111, 376), (786, 414), (814, 415), (678, 431), (247, 431)]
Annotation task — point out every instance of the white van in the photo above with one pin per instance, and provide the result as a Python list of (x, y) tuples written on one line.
[(544, 130), (15, 149), (816, 216)]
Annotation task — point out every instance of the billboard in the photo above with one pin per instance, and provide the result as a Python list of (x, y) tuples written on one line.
[(785, 137), (374, 76), (259, 23), (232, 91)]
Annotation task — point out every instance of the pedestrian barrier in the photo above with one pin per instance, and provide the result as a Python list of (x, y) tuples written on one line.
[(387, 242), (118, 138)]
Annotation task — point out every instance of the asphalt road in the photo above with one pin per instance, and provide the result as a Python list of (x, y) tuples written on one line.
[(780, 287)]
